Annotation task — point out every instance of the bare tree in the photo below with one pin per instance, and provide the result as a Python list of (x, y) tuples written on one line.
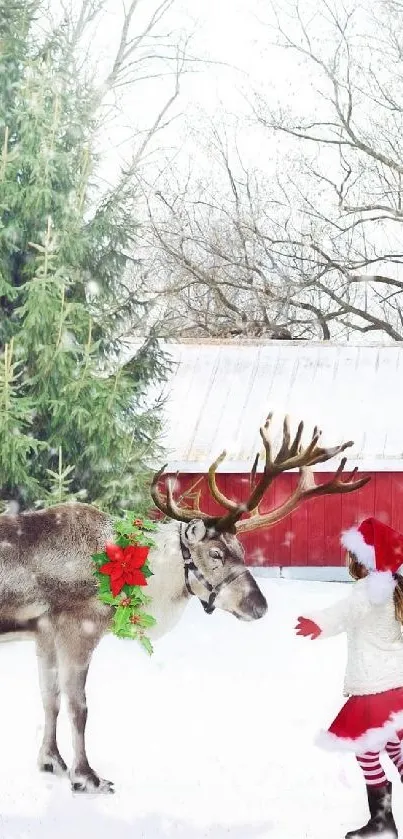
[(224, 262), (350, 186), (315, 251), (119, 45)]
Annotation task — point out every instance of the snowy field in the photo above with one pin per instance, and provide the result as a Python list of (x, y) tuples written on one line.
[(212, 737)]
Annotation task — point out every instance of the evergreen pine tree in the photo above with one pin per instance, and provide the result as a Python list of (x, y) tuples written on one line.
[(69, 427)]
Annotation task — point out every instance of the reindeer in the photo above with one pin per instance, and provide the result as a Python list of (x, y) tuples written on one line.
[(48, 590)]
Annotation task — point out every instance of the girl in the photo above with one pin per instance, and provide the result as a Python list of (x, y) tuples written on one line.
[(371, 720)]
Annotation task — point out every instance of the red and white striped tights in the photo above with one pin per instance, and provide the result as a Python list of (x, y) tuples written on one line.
[(371, 765)]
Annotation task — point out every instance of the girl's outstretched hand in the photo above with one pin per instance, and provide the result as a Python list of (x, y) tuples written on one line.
[(307, 628)]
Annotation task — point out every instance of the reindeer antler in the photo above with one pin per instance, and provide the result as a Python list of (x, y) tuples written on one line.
[(170, 508), (168, 505), (291, 455), (306, 488), (218, 496)]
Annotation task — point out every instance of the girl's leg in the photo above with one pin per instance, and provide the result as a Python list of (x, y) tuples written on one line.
[(394, 751), (371, 767), (379, 800)]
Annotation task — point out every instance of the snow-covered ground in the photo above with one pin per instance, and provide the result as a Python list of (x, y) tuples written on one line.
[(211, 737)]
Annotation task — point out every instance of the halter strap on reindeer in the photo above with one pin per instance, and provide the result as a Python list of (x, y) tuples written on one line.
[(240, 518)]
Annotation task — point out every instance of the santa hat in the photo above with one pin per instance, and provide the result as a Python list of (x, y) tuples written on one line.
[(380, 549)]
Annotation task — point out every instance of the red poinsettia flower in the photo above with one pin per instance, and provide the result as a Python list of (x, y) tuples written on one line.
[(124, 566)]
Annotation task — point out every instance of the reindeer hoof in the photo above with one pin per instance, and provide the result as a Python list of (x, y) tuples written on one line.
[(91, 785), (53, 764)]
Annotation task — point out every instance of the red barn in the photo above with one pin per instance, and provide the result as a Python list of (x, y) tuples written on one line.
[(218, 395)]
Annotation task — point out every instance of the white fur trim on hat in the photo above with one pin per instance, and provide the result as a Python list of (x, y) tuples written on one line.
[(353, 541), (380, 586)]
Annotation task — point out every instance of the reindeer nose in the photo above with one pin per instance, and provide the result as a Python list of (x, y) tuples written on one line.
[(255, 605), (259, 609)]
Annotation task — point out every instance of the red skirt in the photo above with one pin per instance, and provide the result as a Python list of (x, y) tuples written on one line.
[(366, 723)]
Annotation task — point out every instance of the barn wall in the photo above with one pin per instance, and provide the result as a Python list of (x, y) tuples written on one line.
[(309, 536)]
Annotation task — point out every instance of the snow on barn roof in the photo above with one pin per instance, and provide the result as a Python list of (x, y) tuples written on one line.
[(219, 393)]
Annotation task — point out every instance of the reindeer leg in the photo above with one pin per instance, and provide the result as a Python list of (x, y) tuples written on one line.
[(76, 639), (50, 759)]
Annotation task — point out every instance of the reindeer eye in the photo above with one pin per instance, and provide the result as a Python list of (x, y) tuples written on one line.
[(215, 553)]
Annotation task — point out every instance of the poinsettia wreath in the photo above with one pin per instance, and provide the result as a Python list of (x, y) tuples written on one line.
[(122, 571)]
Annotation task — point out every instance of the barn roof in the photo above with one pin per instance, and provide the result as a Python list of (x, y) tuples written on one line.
[(219, 393)]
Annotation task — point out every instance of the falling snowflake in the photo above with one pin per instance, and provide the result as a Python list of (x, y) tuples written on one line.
[(289, 536)]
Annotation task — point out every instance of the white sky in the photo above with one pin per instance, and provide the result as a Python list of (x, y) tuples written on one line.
[(236, 34), (224, 33), (236, 38)]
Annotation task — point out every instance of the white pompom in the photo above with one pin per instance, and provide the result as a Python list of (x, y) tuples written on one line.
[(380, 586)]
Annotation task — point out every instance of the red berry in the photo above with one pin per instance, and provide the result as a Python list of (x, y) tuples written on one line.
[(134, 619)]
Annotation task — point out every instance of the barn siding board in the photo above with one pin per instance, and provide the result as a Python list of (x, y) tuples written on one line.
[(316, 526), (383, 496), (397, 501), (351, 512), (299, 522), (281, 549), (310, 536), (331, 528)]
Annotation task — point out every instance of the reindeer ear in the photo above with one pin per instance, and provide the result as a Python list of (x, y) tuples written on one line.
[(196, 531)]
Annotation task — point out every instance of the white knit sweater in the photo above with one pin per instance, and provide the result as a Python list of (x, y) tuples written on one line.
[(374, 641)]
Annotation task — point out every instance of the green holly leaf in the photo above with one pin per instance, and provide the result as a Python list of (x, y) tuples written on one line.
[(100, 557), (149, 525), (146, 621), (122, 541), (146, 643), (108, 598), (121, 619), (104, 584)]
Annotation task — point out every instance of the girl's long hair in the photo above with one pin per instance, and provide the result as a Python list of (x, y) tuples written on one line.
[(358, 571)]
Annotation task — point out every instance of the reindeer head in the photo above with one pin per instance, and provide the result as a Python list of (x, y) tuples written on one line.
[(213, 556), (215, 571)]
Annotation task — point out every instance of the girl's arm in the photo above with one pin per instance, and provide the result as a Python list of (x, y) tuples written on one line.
[(326, 622)]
